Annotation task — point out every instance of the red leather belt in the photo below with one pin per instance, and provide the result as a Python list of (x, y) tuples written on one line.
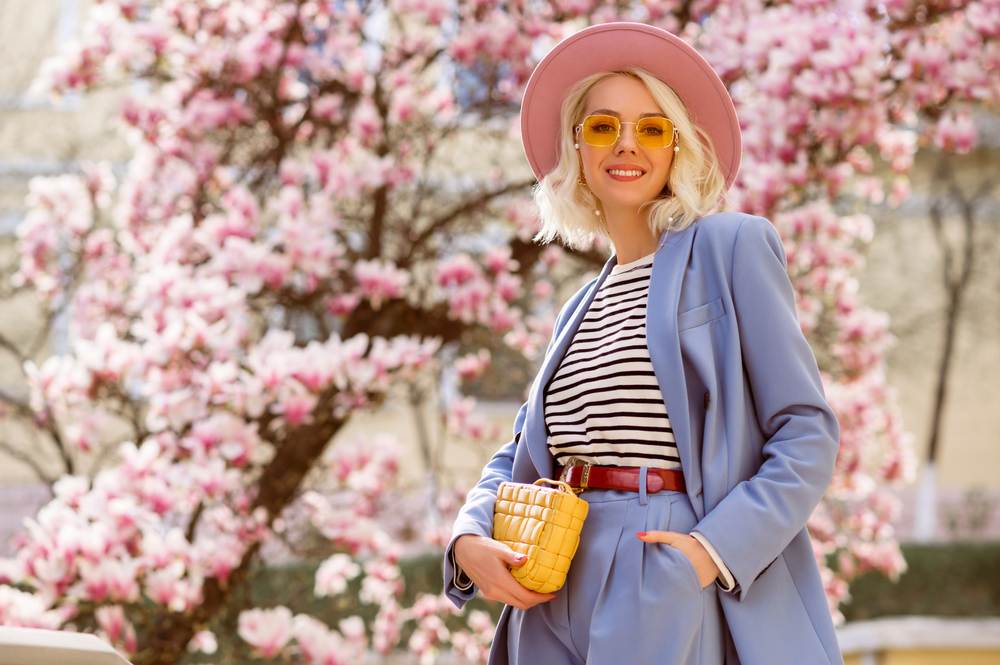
[(587, 476)]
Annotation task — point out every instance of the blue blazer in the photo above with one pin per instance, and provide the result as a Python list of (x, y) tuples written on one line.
[(756, 437)]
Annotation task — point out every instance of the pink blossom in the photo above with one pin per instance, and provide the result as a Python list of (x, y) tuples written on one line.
[(466, 647), (110, 579), (160, 551), (12, 571), (203, 641), (220, 554), (168, 587), (461, 421), (900, 191), (381, 582), (498, 261), (379, 281), (111, 618), (472, 365), (956, 132), (543, 289), (365, 123), (131, 640), (268, 631), (508, 286), (319, 644), (481, 623), (388, 625), (456, 271), (28, 610), (343, 304), (500, 317), (523, 340), (295, 404), (353, 630), (333, 573), (466, 301), (233, 438)]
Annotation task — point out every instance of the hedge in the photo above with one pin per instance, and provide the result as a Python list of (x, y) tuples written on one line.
[(947, 580), (954, 579)]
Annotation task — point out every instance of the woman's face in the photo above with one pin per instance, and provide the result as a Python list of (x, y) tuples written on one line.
[(626, 175)]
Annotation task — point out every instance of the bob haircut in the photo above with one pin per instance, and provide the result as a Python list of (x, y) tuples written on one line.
[(695, 185)]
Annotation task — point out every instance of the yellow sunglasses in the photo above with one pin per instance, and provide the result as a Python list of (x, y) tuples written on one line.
[(604, 130)]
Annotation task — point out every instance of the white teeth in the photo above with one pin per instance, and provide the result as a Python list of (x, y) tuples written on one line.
[(627, 174)]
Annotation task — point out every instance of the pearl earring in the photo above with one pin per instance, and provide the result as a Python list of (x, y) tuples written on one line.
[(576, 146), (677, 148)]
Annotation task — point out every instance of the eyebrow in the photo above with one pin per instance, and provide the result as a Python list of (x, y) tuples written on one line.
[(619, 116)]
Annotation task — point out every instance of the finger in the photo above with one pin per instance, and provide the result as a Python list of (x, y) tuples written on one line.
[(665, 537), (524, 595), (511, 592), (526, 598)]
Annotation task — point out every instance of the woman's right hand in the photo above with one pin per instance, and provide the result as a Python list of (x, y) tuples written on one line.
[(485, 561)]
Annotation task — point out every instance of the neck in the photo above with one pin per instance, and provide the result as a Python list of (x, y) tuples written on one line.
[(632, 236)]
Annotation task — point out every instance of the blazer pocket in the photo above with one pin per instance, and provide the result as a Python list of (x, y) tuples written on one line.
[(701, 315)]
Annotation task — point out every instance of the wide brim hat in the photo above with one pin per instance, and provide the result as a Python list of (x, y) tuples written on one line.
[(613, 46)]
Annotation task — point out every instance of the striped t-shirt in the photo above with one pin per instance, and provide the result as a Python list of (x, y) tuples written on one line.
[(603, 404)]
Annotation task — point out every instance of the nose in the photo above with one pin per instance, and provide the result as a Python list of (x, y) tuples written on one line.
[(626, 138)]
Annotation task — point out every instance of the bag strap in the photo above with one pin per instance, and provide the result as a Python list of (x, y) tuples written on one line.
[(562, 486)]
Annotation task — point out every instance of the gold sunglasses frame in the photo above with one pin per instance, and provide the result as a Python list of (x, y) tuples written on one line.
[(578, 130)]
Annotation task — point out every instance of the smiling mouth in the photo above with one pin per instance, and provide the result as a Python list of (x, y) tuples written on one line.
[(628, 173)]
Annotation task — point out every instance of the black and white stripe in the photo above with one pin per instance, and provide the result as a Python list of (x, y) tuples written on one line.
[(603, 404)]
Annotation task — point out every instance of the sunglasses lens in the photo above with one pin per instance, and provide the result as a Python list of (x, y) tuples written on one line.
[(654, 132), (600, 130), (603, 131)]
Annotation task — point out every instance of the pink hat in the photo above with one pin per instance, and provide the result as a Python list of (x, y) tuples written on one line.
[(613, 46)]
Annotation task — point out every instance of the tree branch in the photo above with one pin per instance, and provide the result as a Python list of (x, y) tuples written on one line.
[(469, 207), (24, 458)]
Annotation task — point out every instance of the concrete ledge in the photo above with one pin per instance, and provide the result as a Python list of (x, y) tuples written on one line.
[(907, 633), (33, 646)]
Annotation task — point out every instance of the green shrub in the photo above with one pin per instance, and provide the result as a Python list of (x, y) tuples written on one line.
[(953, 579)]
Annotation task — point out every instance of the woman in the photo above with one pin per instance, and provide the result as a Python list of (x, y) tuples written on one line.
[(679, 380)]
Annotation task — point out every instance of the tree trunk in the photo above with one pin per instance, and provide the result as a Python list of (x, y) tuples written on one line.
[(956, 281), (170, 632)]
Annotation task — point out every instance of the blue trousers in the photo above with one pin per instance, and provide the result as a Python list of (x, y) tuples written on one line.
[(625, 602)]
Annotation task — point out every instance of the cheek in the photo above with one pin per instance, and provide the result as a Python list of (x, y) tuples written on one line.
[(591, 162)]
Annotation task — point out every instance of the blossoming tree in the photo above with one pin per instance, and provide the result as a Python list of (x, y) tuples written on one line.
[(323, 204)]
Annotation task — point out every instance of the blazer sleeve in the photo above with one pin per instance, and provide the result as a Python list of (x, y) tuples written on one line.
[(476, 516), (754, 523)]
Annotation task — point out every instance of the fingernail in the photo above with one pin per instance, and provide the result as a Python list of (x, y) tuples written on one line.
[(641, 534), (520, 557)]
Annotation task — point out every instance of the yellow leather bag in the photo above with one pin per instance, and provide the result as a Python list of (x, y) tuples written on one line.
[(543, 523)]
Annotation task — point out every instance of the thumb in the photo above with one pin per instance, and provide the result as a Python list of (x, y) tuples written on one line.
[(515, 559)]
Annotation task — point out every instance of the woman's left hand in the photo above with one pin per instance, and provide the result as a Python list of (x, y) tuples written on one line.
[(689, 547)]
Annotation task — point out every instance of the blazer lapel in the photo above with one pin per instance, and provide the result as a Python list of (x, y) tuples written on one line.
[(534, 421), (663, 340)]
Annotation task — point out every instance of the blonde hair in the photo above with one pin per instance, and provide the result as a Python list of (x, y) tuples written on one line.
[(694, 187)]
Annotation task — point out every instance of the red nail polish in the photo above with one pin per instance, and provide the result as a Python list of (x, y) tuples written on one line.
[(641, 534)]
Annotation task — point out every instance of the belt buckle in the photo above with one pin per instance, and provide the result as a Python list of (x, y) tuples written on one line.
[(584, 477)]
